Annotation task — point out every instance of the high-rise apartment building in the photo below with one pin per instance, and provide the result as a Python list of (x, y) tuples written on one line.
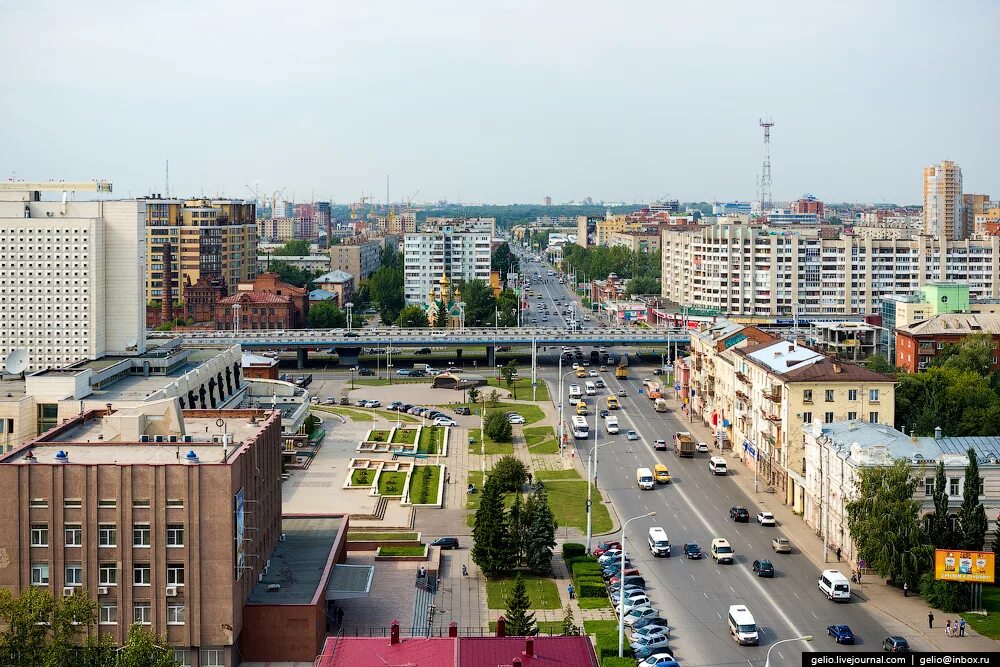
[(357, 256), (943, 201), (288, 229), (211, 238), (71, 277), (752, 270), (974, 207), (459, 255)]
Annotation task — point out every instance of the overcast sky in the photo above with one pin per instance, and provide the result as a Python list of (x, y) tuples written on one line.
[(479, 101)]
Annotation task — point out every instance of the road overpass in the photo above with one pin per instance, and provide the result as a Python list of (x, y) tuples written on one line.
[(304, 340)]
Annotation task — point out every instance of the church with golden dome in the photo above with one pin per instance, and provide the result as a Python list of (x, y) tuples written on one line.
[(447, 298)]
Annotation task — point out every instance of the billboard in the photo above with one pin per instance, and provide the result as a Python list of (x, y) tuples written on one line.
[(240, 532), (974, 567)]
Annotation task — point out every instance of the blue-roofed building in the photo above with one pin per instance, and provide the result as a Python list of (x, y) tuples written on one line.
[(321, 295), (336, 282), (835, 452)]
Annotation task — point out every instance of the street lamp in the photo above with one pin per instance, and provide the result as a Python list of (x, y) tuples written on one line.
[(353, 369), (350, 311), (236, 318), (591, 458), (803, 638), (621, 583), (562, 400)]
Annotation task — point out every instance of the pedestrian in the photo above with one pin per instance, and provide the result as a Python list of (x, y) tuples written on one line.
[(906, 590), (838, 554), (570, 589), (961, 628), (447, 477), (465, 570), (947, 628), (530, 479), (930, 619)]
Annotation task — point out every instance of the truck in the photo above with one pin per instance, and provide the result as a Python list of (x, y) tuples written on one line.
[(621, 370), (660, 405), (611, 424), (683, 444)]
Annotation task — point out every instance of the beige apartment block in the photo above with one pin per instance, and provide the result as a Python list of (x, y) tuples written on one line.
[(943, 215), (359, 257)]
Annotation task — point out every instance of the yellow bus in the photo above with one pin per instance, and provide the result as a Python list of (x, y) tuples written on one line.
[(612, 402)]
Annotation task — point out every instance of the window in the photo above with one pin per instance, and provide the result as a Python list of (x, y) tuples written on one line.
[(175, 502), (107, 502), (175, 614), (107, 574), (807, 417), (852, 415), (107, 535), (140, 503), (140, 575), (807, 395), (39, 535), (182, 657), (39, 503), (175, 575), (940, 345), (873, 417), (828, 396), (140, 535), (873, 395), (72, 503), (175, 535), (74, 535), (142, 614), (39, 574), (929, 486), (109, 614), (852, 394), (827, 417), (953, 486), (211, 657)]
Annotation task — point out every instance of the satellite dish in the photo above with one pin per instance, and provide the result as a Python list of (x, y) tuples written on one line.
[(131, 344), (17, 361)]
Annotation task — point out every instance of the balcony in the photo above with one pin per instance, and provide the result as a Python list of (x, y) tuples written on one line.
[(742, 377), (697, 363), (770, 416), (772, 394), (768, 438), (742, 396)]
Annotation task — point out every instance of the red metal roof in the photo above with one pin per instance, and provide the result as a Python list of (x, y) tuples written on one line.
[(255, 297), (548, 652), (460, 652), (378, 652)]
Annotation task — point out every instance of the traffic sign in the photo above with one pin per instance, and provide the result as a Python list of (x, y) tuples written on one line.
[(677, 387)]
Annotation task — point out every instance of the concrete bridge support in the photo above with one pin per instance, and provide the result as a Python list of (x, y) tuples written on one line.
[(348, 356), (491, 357), (301, 357)]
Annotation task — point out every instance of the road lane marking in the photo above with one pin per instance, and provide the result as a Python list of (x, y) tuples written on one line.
[(719, 615), (795, 594), (732, 589), (814, 615)]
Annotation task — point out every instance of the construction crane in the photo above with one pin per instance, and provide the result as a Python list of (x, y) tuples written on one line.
[(278, 194), (409, 201), (255, 191)]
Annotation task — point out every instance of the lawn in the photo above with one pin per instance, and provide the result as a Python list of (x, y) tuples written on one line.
[(472, 499), (523, 386), (391, 484), (549, 475), (401, 551), (379, 537), (567, 500), (988, 626), (492, 447), (541, 440), (594, 603), (431, 440), (542, 592), (378, 435), (404, 436), (531, 413), (362, 477), (424, 481), (360, 415)]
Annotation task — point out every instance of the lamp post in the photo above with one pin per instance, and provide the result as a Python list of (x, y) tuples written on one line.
[(236, 318), (562, 399), (803, 638), (353, 369), (621, 579), (350, 311), (592, 477)]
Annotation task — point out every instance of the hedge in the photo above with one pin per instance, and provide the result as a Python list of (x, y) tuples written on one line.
[(618, 662), (587, 589), (573, 550)]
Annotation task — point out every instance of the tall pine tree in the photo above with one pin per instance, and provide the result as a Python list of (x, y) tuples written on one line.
[(972, 516), (517, 521), (520, 621), (941, 533), (541, 532), (490, 542)]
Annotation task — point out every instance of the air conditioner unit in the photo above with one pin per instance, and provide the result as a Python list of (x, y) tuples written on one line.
[(188, 438), (102, 590), (260, 577), (173, 438), (171, 591), (143, 438), (158, 438), (68, 590)]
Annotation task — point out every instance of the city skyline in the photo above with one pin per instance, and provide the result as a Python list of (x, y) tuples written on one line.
[(497, 105)]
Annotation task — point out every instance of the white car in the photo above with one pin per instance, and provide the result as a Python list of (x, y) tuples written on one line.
[(660, 641), (445, 421), (765, 519), (515, 419), (633, 601), (702, 447), (593, 373), (652, 660), (575, 365), (372, 404)]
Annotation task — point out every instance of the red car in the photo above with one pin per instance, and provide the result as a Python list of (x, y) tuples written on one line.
[(631, 572), (606, 546)]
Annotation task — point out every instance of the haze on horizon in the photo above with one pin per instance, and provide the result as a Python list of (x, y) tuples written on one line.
[(501, 102)]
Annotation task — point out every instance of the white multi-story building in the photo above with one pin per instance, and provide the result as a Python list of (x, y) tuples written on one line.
[(427, 256), (751, 270), (72, 278)]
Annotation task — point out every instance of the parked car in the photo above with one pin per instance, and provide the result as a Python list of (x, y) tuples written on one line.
[(630, 580), (606, 546), (446, 543), (360, 402), (372, 403), (766, 519), (615, 572), (739, 514), (651, 644), (462, 410), (366, 372), (609, 555), (781, 545), (650, 620), (841, 634), (445, 421), (516, 419), (658, 660), (763, 568), (393, 406), (649, 632), (895, 644), (636, 615)]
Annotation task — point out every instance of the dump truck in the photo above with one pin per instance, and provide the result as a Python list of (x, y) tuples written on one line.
[(621, 370), (683, 444)]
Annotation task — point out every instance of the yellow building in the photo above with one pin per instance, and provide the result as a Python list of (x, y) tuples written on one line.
[(614, 224), (216, 237), (943, 201)]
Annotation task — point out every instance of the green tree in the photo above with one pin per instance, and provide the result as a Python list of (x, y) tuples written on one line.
[(497, 427), (441, 320), (490, 543), (291, 274), (480, 303), (473, 395), (972, 516), (541, 533), (642, 285), (941, 534), (948, 596), (509, 473), (144, 648), (517, 529), (880, 364), (961, 402), (39, 629), (294, 248), (974, 353), (520, 621), (386, 289), (884, 521), (412, 316), (504, 261), (493, 398), (506, 309), (569, 628), (996, 548), (509, 373), (326, 315)]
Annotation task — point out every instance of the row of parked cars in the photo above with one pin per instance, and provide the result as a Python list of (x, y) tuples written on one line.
[(649, 634), (439, 418)]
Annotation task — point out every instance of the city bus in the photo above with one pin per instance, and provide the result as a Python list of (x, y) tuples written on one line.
[(581, 430)]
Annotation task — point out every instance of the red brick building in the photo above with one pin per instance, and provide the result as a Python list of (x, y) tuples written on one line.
[(919, 343), (266, 303), (809, 204), (201, 298)]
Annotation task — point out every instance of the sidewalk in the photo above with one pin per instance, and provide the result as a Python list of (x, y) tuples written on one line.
[(910, 611)]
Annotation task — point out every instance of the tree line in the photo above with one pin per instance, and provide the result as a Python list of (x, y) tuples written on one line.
[(642, 269)]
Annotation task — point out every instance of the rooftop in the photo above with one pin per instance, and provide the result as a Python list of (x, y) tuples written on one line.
[(300, 564), (457, 651), (336, 276), (871, 444), (794, 363), (255, 296), (959, 324)]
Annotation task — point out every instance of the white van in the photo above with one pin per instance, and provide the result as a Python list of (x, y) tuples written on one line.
[(717, 465), (742, 627), (644, 477), (835, 586), (574, 394), (659, 545), (590, 388), (611, 424), (722, 551)]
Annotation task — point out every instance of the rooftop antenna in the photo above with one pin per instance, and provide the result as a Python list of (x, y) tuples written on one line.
[(766, 196), (166, 181), (17, 362)]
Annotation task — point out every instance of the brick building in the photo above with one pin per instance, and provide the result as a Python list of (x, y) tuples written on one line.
[(202, 297), (917, 344), (266, 303)]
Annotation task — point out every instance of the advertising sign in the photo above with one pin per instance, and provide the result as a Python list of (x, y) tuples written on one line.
[(240, 531), (974, 567)]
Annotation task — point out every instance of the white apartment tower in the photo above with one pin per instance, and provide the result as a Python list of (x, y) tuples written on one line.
[(460, 255), (72, 275), (943, 201)]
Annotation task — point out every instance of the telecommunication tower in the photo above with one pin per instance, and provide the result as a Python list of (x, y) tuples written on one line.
[(766, 196)]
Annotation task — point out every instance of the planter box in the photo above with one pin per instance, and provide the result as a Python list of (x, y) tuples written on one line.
[(422, 557)]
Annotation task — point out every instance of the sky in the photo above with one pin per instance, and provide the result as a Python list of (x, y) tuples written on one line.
[(501, 102)]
